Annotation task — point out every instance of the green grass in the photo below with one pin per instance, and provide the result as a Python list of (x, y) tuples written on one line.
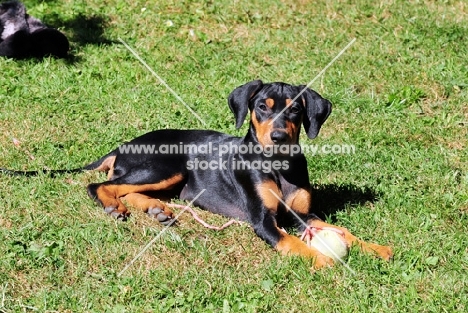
[(399, 96)]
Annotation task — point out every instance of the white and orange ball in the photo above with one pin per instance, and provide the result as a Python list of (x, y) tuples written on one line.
[(330, 243)]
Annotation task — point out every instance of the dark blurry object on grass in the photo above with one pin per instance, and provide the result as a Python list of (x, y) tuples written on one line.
[(23, 36)]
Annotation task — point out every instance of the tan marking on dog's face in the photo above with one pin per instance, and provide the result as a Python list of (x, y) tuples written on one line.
[(270, 102), (288, 102), (263, 130), (293, 132), (299, 201), (265, 190)]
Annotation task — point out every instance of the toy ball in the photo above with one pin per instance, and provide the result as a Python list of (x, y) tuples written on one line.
[(330, 243)]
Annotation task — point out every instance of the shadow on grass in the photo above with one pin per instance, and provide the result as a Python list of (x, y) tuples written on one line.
[(86, 30), (81, 30), (329, 199)]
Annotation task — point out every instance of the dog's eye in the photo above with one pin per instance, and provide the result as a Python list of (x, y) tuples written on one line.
[(295, 110), (262, 107)]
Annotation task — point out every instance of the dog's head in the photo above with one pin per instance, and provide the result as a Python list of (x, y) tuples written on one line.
[(275, 118)]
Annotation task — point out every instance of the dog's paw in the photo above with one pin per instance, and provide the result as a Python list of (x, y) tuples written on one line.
[(322, 261), (161, 215), (117, 214), (384, 252)]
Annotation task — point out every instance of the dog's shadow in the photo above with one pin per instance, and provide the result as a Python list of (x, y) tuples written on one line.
[(327, 200)]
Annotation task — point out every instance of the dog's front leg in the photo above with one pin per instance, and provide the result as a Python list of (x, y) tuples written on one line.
[(265, 226), (286, 244)]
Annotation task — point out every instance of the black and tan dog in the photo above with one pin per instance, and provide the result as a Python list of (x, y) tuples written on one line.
[(246, 185)]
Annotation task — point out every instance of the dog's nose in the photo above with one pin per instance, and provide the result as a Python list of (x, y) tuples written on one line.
[(278, 136)]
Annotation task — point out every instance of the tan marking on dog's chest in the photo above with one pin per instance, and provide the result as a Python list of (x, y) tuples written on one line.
[(299, 201), (267, 191)]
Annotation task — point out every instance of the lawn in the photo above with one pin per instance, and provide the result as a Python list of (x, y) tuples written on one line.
[(400, 98)]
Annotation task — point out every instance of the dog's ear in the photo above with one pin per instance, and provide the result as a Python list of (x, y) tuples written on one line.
[(318, 109), (239, 100)]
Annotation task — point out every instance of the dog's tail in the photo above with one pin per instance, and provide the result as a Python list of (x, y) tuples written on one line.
[(35, 173), (53, 173)]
